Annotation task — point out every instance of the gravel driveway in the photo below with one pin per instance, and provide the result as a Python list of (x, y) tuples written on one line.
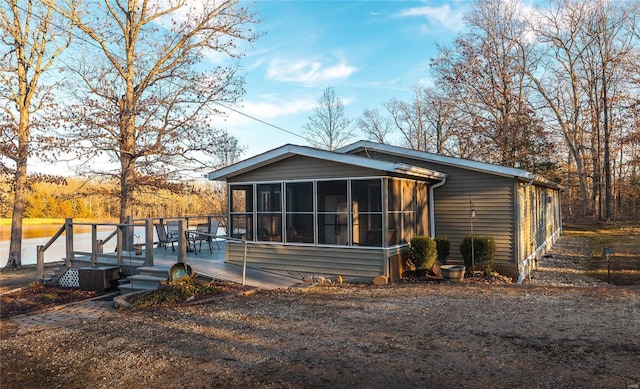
[(559, 329)]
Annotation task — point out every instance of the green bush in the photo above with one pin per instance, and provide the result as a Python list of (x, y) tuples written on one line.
[(443, 247), (484, 247), (422, 252)]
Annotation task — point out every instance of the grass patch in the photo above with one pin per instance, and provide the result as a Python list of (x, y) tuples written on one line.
[(175, 292), (623, 267)]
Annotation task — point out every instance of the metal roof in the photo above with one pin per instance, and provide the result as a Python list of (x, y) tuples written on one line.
[(290, 150), (484, 167)]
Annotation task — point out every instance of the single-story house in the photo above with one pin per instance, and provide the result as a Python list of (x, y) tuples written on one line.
[(352, 211)]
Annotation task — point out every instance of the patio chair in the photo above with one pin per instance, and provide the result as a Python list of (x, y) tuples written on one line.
[(164, 239), (173, 230), (206, 230)]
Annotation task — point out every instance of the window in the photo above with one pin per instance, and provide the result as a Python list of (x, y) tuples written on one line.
[(333, 227), (241, 206), (299, 212), (269, 212), (366, 208)]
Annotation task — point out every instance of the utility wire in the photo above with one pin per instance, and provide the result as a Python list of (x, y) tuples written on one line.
[(261, 121)]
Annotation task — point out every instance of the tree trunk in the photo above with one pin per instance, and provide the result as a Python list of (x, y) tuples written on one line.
[(15, 245), (20, 197), (607, 155)]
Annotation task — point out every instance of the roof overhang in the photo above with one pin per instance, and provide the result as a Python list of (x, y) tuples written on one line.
[(521, 175), (289, 150)]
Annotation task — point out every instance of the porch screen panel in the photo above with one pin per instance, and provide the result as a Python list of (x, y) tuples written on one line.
[(422, 208), (402, 210), (241, 211), (299, 212), (366, 207), (269, 212), (333, 213), (408, 210), (394, 205)]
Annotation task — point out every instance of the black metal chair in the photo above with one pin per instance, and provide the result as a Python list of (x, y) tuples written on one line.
[(164, 239)]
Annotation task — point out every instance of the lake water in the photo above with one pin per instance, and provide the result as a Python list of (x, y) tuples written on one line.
[(34, 236)]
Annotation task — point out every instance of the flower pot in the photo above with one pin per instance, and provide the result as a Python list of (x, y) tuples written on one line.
[(453, 273)]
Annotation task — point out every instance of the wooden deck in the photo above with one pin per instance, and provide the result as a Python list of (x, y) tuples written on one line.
[(209, 264)]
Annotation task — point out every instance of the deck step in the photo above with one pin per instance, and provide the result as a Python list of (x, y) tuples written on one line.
[(141, 282), (155, 271)]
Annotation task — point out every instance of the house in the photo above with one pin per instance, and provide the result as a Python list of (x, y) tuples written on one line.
[(352, 211)]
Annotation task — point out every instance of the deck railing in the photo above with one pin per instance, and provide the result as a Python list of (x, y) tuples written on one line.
[(120, 231)]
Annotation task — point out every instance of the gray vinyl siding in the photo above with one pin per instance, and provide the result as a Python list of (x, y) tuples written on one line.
[(304, 168), (347, 261), (492, 196)]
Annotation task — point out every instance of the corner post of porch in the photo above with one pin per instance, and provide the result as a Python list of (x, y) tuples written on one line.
[(148, 242)]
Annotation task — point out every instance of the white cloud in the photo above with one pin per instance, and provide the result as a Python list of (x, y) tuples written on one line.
[(267, 109), (270, 109), (307, 72), (444, 15)]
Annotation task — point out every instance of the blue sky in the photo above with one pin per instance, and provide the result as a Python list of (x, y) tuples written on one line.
[(369, 51)]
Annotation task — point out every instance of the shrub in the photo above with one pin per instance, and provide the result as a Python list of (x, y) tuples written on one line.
[(443, 247), (484, 247), (173, 292), (422, 252)]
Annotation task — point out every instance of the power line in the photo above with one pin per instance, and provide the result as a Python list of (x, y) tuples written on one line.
[(260, 120)]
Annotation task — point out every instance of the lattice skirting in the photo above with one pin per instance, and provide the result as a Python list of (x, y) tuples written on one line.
[(70, 279)]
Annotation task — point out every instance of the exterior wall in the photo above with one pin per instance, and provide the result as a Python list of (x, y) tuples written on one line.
[(301, 167), (345, 261), (493, 198)]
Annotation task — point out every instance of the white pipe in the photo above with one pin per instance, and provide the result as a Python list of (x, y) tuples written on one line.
[(432, 216)]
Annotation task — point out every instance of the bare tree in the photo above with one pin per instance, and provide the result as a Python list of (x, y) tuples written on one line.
[(31, 41), (443, 119), (227, 150), (329, 127), (583, 47), (145, 99), (485, 71), (374, 126), (409, 118)]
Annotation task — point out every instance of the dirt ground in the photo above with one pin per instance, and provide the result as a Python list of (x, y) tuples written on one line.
[(560, 329)]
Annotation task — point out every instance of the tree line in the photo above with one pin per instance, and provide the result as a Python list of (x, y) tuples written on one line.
[(552, 88), (95, 199)]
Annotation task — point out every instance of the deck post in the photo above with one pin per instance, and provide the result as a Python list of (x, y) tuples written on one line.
[(148, 242), (182, 241), (119, 245), (68, 229), (40, 261), (94, 244)]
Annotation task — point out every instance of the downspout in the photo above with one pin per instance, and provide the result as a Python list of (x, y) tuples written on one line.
[(519, 230), (432, 216)]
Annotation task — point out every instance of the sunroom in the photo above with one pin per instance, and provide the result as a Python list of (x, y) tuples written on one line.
[(315, 211)]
